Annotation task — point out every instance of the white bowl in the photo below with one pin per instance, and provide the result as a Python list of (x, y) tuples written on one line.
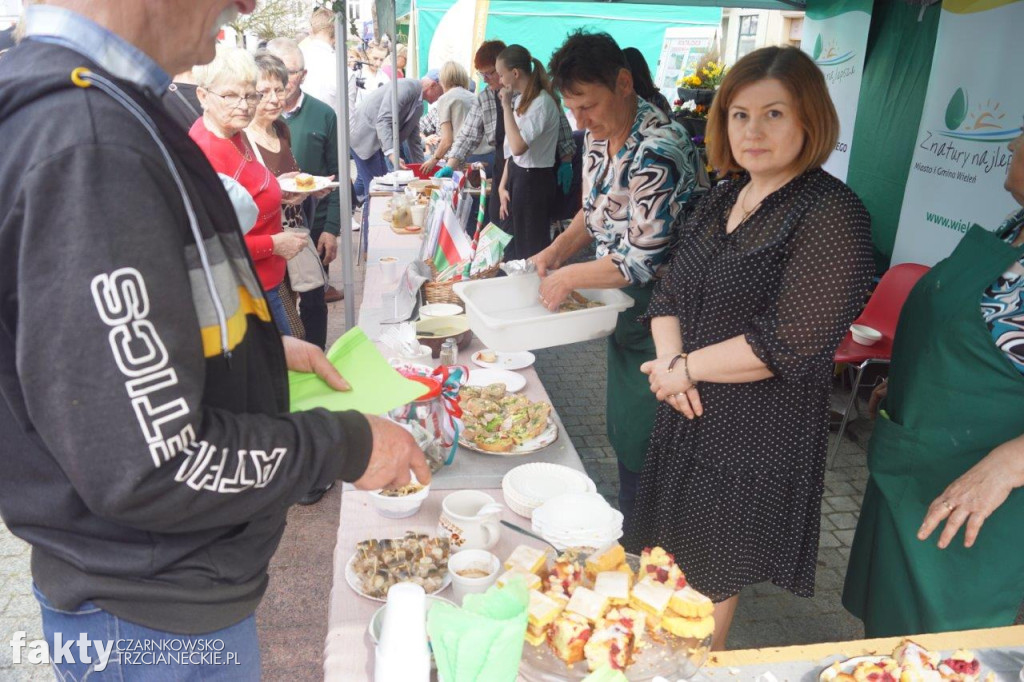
[(472, 558), (440, 310), (399, 507), (865, 335)]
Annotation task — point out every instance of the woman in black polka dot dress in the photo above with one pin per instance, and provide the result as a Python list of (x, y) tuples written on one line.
[(771, 270)]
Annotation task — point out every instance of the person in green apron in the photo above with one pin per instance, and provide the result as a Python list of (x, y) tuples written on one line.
[(639, 170), (947, 449)]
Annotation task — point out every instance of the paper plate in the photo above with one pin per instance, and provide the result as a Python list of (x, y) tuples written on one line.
[(520, 360), (535, 483), (288, 185), (485, 377)]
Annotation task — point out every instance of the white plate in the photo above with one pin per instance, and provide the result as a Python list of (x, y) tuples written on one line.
[(537, 482), (353, 581), (288, 185), (403, 178), (847, 666), (485, 377), (546, 438), (519, 360)]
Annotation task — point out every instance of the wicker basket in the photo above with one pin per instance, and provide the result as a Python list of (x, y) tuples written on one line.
[(441, 292)]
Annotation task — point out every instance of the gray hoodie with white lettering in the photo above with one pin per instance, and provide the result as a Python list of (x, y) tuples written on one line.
[(146, 450)]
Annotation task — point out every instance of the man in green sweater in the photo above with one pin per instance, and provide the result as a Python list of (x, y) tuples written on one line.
[(314, 131)]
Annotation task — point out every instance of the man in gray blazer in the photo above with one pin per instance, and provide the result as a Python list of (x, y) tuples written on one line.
[(372, 135)]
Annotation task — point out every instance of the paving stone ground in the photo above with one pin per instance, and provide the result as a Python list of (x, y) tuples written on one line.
[(293, 617)]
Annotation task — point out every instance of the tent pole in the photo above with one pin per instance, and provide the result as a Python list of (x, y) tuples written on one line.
[(344, 166), (394, 87)]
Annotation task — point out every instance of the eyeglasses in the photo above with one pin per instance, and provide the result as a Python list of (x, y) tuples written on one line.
[(295, 72), (234, 100), (487, 74), (277, 91)]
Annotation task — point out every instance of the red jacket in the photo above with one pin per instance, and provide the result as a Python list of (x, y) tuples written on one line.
[(233, 158)]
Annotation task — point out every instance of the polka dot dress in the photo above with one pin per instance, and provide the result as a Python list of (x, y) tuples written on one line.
[(736, 494)]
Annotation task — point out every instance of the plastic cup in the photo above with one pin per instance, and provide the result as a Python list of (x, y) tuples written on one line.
[(405, 630)]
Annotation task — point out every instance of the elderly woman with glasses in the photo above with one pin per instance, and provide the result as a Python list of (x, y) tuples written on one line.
[(227, 92)]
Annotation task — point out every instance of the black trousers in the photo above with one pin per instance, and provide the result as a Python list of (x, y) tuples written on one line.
[(313, 308), (531, 199)]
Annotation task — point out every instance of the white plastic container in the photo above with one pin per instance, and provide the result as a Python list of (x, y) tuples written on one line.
[(506, 314)]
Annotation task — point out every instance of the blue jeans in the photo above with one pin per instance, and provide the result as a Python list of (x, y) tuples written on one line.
[(628, 483), (278, 312), (139, 654), (367, 170)]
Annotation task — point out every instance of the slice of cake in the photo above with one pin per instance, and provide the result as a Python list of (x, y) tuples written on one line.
[(531, 580), (609, 646), (587, 603), (658, 564), (681, 626), (614, 585), (691, 603), (530, 559), (565, 577), (605, 560), (651, 597), (541, 612), (569, 634), (629, 618)]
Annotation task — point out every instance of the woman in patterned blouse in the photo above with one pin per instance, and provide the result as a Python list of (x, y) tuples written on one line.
[(947, 449), (639, 171)]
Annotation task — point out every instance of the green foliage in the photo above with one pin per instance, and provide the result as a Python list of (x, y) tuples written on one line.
[(956, 110)]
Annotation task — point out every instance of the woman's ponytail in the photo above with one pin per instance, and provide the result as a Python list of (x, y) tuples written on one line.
[(518, 57)]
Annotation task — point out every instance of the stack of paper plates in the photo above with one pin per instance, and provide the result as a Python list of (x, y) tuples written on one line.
[(578, 520), (529, 486)]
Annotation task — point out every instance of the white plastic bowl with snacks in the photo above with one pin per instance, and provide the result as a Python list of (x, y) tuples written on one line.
[(865, 335), (506, 314), (399, 504)]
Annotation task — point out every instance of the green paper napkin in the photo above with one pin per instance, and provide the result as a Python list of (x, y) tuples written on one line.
[(482, 641), (376, 386)]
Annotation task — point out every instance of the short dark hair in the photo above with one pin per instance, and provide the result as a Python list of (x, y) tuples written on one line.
[(271, 66), (643, 83), (487, 54), (586, 58), (806, 85)]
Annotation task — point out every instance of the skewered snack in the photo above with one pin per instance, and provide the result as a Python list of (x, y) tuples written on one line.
[(407, 489), (416, 558), (577, 301)]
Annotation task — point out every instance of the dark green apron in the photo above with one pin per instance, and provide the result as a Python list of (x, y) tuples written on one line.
[(631, 405), (953, 397)]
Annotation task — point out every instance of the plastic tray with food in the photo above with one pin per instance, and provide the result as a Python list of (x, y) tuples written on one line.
[(609, 608), (507, 315)]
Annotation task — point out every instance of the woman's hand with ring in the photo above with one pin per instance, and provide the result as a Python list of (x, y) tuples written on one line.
[(555, 288), (973, 497), (663, 382), (688, 403)]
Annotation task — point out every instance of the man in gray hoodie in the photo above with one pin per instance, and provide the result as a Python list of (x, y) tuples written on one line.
[(148, 453)]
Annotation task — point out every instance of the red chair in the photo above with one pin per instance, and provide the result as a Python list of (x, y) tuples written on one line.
[(881, 313)]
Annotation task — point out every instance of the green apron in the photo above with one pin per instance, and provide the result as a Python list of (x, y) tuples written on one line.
[(953, 397), (631, 405)]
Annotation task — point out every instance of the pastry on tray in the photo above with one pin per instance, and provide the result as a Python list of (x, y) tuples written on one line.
[(599, 615)]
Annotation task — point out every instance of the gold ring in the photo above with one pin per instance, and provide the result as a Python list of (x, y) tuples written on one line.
[(948, 506)]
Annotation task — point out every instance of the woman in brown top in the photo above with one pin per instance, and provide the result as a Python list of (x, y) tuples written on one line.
[(271, 142)]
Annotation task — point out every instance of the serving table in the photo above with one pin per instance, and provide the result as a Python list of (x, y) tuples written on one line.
[(348, 652)]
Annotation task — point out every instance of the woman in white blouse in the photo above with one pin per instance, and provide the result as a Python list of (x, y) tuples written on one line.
[(532, 116)]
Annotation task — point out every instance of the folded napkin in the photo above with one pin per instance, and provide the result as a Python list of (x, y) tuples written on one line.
[(482, 641), (376, 386)]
